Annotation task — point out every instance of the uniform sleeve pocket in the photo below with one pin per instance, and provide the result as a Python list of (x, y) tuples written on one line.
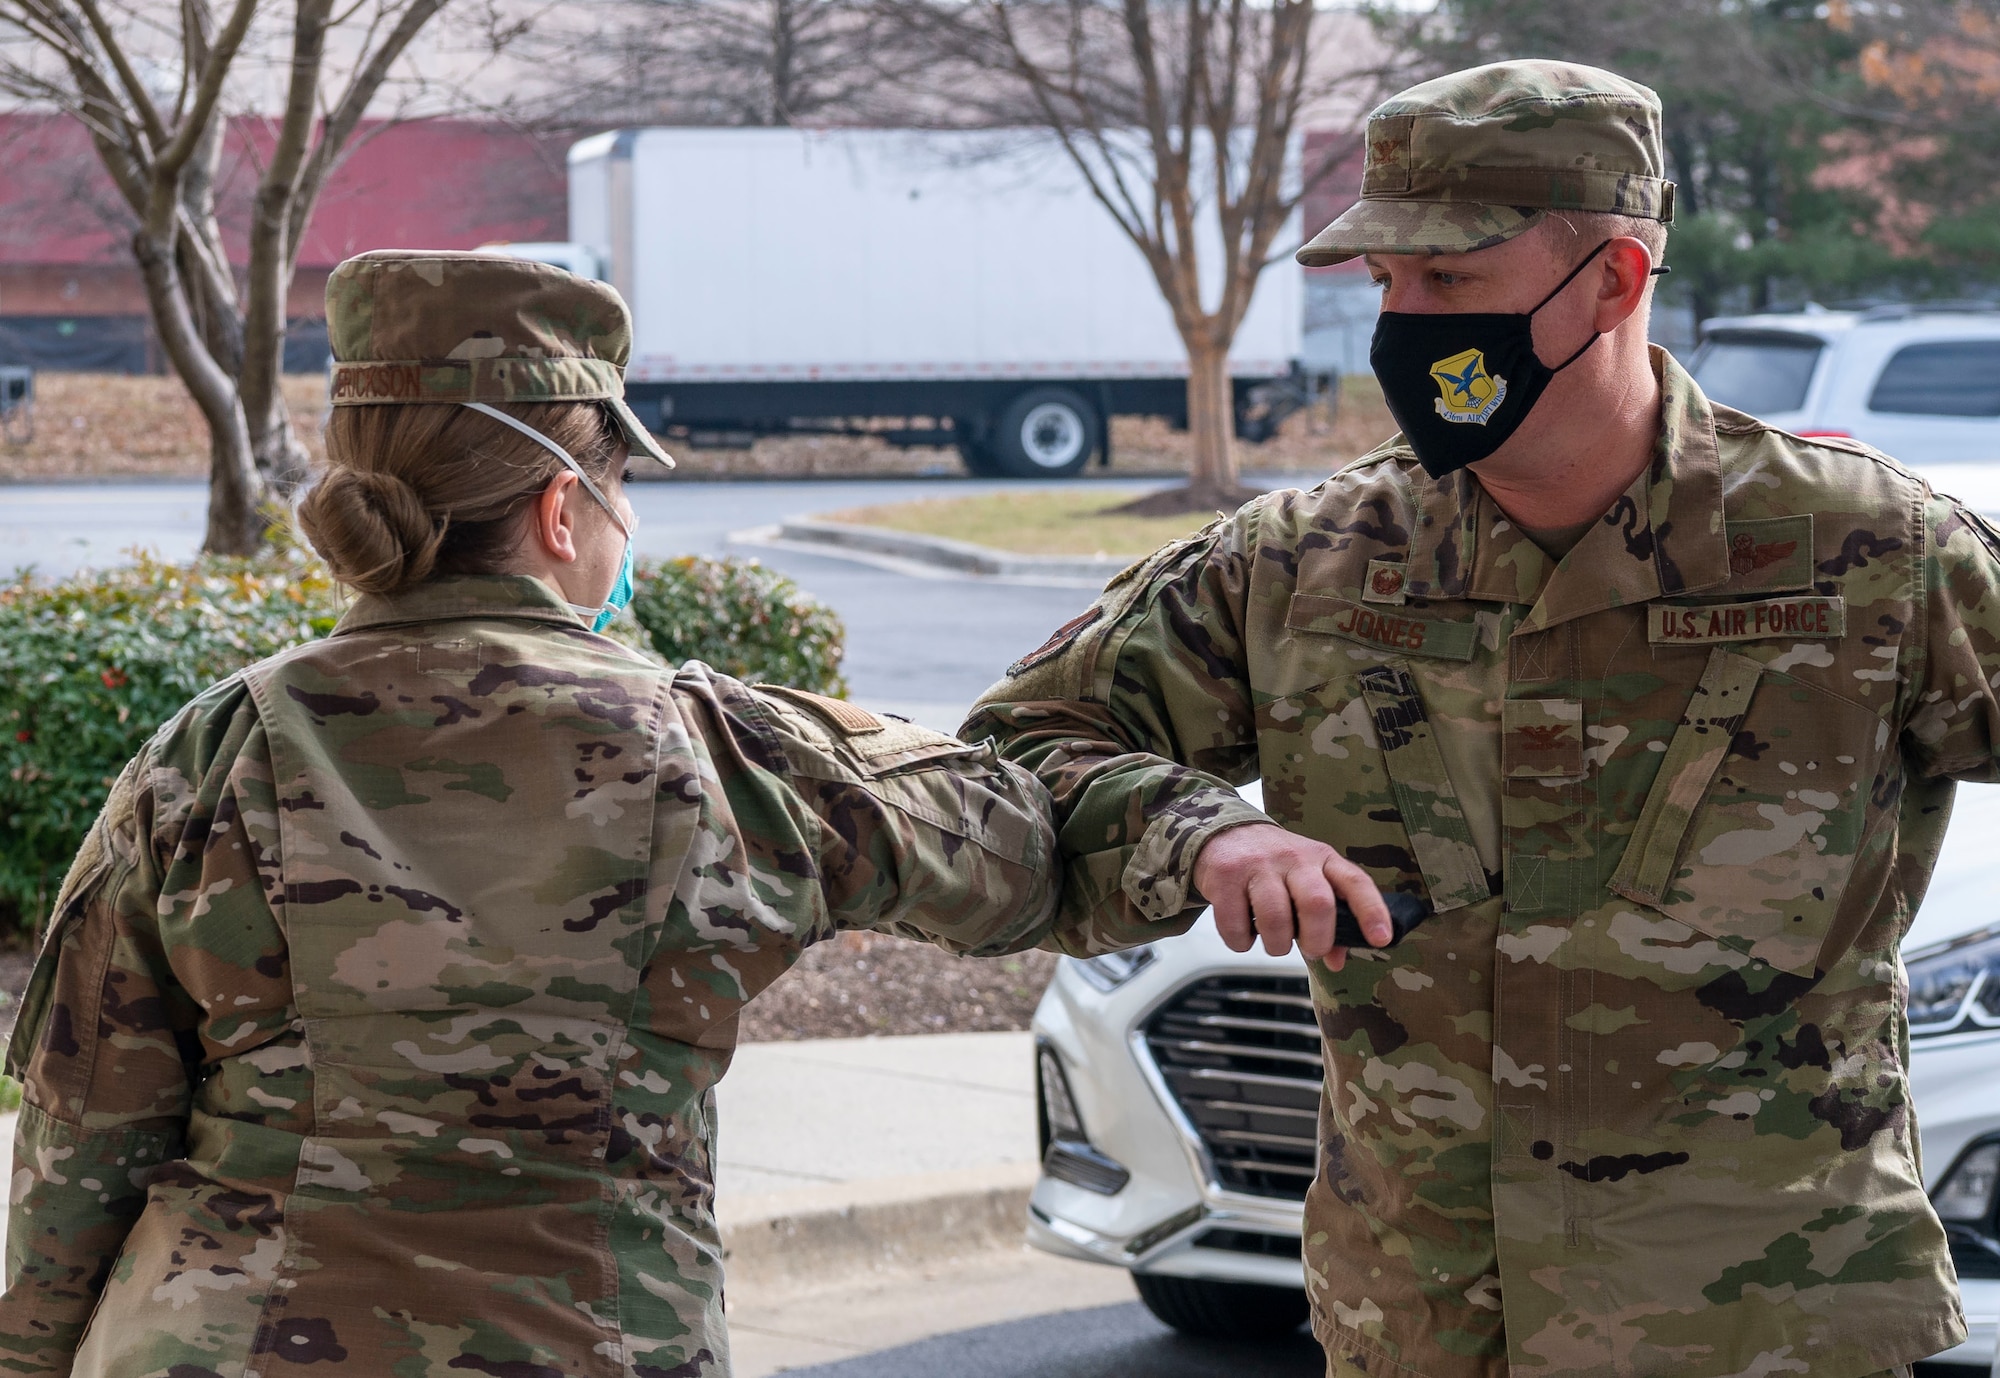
[(873, 746), (88, 873), (1751, 828)]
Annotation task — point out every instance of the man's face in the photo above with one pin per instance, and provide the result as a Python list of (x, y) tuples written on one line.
[(1510, 278)]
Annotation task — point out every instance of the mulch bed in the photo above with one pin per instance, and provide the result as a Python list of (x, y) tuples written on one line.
[(847, 987), (869, 983)]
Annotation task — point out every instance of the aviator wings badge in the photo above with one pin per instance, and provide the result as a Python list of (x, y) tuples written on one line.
[(1469, 392)]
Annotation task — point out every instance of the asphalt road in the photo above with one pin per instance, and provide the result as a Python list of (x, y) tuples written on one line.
[(925, 647), (1112, 1342), (1105, 1342)]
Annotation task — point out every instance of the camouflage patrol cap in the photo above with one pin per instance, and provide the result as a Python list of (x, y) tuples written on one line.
[(418, 325), (1470, 160)]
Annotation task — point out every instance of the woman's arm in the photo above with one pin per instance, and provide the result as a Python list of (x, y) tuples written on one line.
[(105, 1087), (849, 820)]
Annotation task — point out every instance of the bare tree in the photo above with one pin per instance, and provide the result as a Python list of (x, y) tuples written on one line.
[(1181, 116), (148, 81), (718, 62)]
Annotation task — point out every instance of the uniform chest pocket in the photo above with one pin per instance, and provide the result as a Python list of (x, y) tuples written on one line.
[(1355, 763), (1751, 829)]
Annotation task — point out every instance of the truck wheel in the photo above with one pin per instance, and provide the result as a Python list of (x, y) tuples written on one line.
[(1045, 433), (1211, 1310)]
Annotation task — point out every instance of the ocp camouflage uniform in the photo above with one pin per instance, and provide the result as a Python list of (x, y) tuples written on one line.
[(1634, 1101), (378, 1025)]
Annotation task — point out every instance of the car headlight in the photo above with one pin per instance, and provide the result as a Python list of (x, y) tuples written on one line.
[(1955, 986), (1114, 969), (1965, 1194)]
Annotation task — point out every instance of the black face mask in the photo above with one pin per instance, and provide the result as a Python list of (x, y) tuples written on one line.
[(1461, 384)]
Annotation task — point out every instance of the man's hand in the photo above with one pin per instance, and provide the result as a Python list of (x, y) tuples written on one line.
[(1270, 883)]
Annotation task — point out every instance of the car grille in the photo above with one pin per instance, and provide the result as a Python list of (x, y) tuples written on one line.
[(1252, 1242), (1241, 1054)]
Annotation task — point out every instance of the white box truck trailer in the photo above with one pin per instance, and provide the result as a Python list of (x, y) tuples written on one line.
[(949, 289)]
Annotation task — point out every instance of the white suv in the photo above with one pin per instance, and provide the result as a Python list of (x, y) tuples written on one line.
[(1180, 1088), (1921, 384)]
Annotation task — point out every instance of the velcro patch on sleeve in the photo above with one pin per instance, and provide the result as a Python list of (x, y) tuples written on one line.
[(1382, 628), (1057, 643), (1680, 624), (843, 715)]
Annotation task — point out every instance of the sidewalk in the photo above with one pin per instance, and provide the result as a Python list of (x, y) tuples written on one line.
[(872, 1192), (794, 1116)]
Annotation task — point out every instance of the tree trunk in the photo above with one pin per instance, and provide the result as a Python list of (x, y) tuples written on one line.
[(235, 489), (279, 457), (235, 496), (1211, 417), (274, 445), (1212, 484)]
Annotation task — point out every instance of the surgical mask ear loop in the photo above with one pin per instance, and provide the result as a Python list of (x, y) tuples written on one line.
[(1659, 272), (564, 455), (560, 453), (1595, 335)]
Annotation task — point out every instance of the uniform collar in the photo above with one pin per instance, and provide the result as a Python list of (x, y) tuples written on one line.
[(1663, 538), (517, 597)]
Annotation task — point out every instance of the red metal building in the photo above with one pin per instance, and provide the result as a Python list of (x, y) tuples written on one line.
[(70, 295)]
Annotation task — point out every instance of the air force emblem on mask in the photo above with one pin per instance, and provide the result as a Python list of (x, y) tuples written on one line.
[(1470, 393)]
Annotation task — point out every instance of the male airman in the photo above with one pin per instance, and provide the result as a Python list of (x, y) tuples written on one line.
[(1658, 707)]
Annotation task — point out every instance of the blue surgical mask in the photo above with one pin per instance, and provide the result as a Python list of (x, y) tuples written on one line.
[(620, 596)]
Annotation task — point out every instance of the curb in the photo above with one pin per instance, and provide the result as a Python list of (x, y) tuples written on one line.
[(804, 1237), (944, 553)]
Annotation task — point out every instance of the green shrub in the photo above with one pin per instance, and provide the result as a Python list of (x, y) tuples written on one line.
[(90, 666), (742, 618)]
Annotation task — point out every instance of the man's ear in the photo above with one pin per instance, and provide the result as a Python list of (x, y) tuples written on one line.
[(1628, 267), (550, 517)]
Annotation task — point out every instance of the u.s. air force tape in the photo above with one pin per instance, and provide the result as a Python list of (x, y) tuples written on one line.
[(1684, 624)]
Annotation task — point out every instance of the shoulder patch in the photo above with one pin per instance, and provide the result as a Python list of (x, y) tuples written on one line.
[(1061, 638), (847, 717), (1066, 665)]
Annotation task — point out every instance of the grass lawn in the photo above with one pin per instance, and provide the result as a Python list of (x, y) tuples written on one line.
[(1065, 522)]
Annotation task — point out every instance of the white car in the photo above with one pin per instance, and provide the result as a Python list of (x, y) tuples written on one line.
[(1180, 1088), (1922, 384)]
